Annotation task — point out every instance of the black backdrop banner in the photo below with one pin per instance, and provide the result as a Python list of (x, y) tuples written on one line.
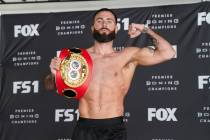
[(169, 101)]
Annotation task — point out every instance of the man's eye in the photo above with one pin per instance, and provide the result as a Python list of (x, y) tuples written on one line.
[(99, 21), (110, 21)]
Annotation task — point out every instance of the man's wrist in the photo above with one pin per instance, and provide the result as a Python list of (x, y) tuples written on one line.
[(145, 29)]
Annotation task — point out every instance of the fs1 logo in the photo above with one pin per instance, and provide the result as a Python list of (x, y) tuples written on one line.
[(175, 48), (203, 80), (162, 114), (26, 30), (203, 17), (25, 87), (123, 23), (66, 115)]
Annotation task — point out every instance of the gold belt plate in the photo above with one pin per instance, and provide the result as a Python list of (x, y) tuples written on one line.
[(74, 70)]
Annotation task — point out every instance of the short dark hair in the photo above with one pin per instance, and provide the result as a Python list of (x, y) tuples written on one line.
[(105, 9)]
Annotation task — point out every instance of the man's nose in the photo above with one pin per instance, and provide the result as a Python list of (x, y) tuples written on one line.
[(104, 24)]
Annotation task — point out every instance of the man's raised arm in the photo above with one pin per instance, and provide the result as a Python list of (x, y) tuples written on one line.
[(161, 52)]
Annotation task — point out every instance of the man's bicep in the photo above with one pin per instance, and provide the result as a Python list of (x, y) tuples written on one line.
[(139, 56), (147, 56)]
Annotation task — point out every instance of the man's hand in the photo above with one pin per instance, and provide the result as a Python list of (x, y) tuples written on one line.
[(135, 29), (55, 65)]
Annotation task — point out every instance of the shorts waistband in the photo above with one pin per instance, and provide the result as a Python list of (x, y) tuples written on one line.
[(101, 122)]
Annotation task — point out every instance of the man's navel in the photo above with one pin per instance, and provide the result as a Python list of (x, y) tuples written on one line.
[(115, 74)]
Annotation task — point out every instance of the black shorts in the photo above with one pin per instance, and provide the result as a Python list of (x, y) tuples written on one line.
[(100, 129)]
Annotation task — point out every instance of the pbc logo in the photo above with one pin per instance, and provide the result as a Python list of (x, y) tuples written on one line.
[(162, 114), (26, 30), (203, 17), (66, 115), (25, 87), (203, 80)]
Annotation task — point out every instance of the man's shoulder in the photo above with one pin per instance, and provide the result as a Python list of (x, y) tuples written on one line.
[(89, 50)]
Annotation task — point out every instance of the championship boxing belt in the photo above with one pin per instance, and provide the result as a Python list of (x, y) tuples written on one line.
[(74, 75)]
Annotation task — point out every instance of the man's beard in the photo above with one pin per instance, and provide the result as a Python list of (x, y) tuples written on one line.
[(103, 38)]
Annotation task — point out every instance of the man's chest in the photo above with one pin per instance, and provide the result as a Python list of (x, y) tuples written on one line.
[(105, 66), (108, 69)]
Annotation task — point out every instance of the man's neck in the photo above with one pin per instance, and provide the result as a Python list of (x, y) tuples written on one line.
[(103, 48)]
